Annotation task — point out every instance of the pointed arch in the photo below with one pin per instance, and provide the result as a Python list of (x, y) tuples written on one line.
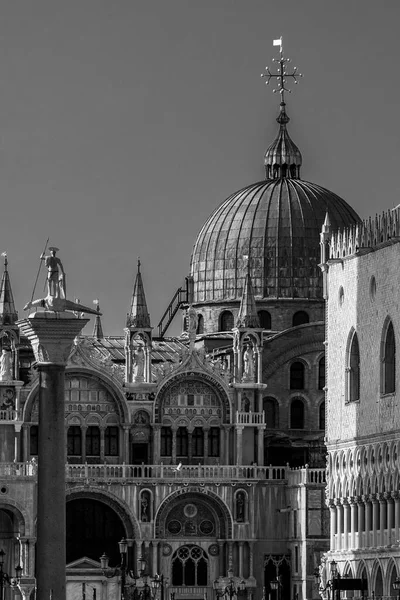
[(353, 368), (388, 358)]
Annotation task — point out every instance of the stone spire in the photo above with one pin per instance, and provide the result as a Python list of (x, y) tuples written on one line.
[(98, 328), (8, 313), (247, 316), (138, 317)]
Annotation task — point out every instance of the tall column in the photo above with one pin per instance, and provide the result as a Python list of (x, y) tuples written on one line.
[(382, 519), (353, 522), (375, 520), (259, 364), (333, 524), (396, 497), (346, 515), (51, 335), (260, 446), (173, 445), (241, 554), (368, 522), (251, 559), (339, 515), (239, 445), (206, 431), (361, 523), (390, 518)]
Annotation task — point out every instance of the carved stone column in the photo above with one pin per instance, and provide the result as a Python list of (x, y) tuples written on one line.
[(51, 335), (239, 445), (333, 523), (353, 522), (346, 514), (396, 497), (339, 516), (390, 518), (361, 522), (375, 520)]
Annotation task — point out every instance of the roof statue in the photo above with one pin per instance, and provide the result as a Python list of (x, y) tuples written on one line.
[(56, 300)]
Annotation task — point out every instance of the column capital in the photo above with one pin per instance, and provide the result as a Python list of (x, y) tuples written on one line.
[(396, 496), (52, 334)]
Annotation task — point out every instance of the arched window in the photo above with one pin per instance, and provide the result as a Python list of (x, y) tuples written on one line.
[(33, 450), (111, 441), (198, 442), (300, 317), (322, 416), (190, 566), (74, 441), (265, 319), (93, 441), (297, 414), (389, 361), (353, 370), (213, 441), (297, 376), (166, 441), (270, 408), (226, 321), (182, 442), (321, 373), (200, 324)]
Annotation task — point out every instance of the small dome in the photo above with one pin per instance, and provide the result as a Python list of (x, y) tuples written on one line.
[(282, 158), (276, 224)]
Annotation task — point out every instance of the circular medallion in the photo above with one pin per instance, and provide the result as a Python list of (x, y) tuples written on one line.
[(190, 510), (206, 527), (174, 527), (167, 550), (213, 550)]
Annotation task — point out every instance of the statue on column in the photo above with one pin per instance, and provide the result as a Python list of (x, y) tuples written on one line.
[(248, 364), (56, 284), (56, 300)]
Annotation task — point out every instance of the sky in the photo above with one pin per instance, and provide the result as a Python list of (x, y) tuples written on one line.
[(125, 123)]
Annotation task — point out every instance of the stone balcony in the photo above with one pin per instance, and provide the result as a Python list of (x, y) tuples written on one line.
[(250, 418), (158, 473)]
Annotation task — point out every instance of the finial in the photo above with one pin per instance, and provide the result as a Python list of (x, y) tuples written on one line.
[(96, 302), (138, 264), (282, 75), (5, 260)]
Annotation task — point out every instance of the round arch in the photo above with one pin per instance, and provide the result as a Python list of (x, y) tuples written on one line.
[(105, 381), (187, 377), (25, 525), (218, 507)]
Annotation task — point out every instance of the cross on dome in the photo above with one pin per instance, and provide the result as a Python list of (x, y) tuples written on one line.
[(282, 74)]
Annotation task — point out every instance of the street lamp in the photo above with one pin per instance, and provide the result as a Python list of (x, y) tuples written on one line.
[(231, 589), (276, 585), (5, 579), (396, 586), (130, 590), (121, 570)]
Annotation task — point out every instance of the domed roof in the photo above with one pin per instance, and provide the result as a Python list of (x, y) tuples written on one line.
[(275, 224)]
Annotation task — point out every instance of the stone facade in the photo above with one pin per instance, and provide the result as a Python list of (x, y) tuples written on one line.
[(363, 414)]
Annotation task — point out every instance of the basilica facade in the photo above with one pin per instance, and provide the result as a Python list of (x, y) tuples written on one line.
[(205, 451)]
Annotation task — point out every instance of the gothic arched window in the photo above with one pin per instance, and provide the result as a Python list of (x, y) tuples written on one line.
[(297, 376), (389, 361), (297, 414), (353, 370), (190, 566), (265, 319), (300, 318), (226, 321)]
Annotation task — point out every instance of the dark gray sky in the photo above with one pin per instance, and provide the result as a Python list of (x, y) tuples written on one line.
[(124, 123)]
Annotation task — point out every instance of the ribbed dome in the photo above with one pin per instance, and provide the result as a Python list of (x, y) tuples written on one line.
[(276, 223)]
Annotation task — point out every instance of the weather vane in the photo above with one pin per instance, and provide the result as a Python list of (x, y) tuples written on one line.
[(282, 74)]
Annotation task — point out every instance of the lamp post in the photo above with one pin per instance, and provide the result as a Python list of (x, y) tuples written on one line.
[(130, 590), (231, 589), (5, 579), (396, 586), (276, 586), (121, 570)]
